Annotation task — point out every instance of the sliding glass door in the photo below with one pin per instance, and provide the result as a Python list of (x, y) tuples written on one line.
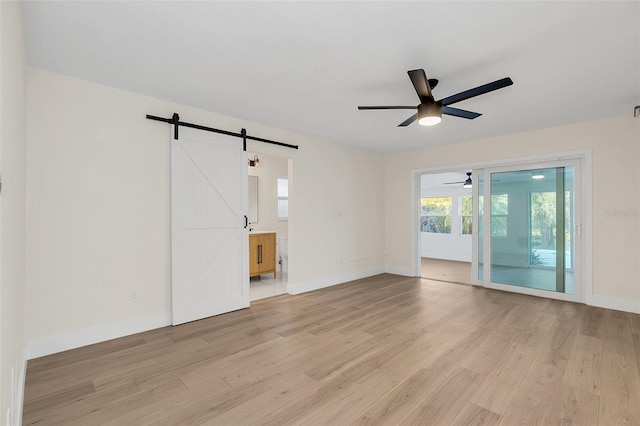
[(525, 238)]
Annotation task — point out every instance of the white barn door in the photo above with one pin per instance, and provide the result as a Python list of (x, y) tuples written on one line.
[(209, 242)]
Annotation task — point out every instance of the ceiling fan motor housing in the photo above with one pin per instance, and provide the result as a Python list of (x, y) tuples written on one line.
[(430, 109)]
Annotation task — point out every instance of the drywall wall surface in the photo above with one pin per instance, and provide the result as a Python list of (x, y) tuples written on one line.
[(98, 205), (337, 203), (12, 211), (614, 148)]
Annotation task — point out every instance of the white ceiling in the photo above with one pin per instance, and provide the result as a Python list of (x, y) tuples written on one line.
[(439, 180), (305, 66)]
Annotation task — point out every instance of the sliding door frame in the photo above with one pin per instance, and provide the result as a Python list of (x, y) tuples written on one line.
[(584, 230), (577, 234)]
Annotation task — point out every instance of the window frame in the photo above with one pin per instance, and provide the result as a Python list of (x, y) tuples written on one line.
[(282, 198)]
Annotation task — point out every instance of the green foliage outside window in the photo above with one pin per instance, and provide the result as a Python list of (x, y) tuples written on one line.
[(499, 213), (436, 215), (499, 204), (432, 206), (466, 210), (467, 225), (543, 219), (466, 205), (499, 226)]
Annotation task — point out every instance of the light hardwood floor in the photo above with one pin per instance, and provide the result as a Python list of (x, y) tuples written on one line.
[(383, 350), (446, 270)]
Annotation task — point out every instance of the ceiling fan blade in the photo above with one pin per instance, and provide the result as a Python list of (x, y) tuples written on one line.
[(409, 120), (476, 91), (386, 107), (456, 112), (421, 84)]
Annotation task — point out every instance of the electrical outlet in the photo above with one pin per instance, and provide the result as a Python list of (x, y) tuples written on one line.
[(135, 295)]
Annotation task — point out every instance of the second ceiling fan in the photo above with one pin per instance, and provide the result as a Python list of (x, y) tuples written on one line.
[(429, 111), (468, 183)]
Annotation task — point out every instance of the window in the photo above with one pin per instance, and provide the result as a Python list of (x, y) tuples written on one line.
[(466, 211), (283, 198), (499, 214), (435, 215)]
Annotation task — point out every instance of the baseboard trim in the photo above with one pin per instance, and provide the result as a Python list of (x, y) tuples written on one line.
[(406, 272), (88, 336), (615, 303), (304, 287)]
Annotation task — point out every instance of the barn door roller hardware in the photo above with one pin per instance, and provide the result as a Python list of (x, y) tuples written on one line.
[(175, 120)]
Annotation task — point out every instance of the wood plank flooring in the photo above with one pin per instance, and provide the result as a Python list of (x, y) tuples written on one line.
[(446, 270), (386, 350)]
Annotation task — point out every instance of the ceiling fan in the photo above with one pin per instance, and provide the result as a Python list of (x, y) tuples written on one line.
[(465, 183), (429, 111)]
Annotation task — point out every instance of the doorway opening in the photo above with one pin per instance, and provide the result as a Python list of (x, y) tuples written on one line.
[(446, 227), (268, 219)]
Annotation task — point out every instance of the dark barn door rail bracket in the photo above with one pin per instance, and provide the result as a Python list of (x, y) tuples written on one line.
[(175, 119)]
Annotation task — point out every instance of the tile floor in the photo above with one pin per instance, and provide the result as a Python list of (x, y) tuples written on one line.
[(264, 286)]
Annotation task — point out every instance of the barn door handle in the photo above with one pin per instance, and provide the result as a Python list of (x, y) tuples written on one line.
[(246, 221)]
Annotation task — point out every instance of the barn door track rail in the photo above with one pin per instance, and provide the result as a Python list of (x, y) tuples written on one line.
[(175, 120)]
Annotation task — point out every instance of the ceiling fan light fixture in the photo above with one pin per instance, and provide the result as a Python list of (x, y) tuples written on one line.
[(429, 114), (429, 120)]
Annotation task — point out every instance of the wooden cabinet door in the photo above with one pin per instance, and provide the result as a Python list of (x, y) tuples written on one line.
[(268, 242), (262, 254), (254, 266)]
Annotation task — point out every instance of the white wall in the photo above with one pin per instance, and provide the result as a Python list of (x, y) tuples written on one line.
[(271, 168), (615, 239), (454, 246), (98, 210), (336, 216), (12, 211)]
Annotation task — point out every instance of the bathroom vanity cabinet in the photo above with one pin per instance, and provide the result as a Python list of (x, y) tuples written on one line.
[(262, 253)]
